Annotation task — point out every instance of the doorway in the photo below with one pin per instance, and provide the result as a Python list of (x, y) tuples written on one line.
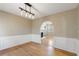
[(47, 27), (47, 31)]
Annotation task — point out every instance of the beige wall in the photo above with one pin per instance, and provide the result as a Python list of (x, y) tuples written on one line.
[(65, 24), (78, 21), (14, 25)]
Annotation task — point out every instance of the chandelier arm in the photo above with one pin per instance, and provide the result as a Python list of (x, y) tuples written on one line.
[(27, 11)]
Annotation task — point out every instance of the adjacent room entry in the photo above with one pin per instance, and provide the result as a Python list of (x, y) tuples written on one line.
[(47, 33)]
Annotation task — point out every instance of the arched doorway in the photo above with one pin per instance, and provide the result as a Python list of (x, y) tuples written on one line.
[(47, 31), (46, 28)]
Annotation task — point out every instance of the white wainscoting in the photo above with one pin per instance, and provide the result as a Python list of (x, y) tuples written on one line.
[(36, 38), (77, 46), (69, 44), (10, 41)]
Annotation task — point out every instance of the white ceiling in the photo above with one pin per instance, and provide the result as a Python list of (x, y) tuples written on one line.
[(43, 8)]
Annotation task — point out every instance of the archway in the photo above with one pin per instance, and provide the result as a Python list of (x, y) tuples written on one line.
[(46, 28)]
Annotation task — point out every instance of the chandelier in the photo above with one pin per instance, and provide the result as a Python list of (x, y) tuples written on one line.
[(27, 12)]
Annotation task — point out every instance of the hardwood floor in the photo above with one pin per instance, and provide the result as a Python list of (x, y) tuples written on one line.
[(34, 49)]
